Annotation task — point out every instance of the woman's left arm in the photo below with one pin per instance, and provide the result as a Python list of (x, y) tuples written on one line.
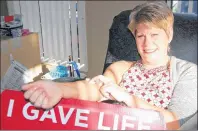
[(170, 118), (120, 94), (117, 93)]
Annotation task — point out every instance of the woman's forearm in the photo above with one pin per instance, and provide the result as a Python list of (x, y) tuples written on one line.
[(169, 117), (80, 90), (69, 89), (121, 94)]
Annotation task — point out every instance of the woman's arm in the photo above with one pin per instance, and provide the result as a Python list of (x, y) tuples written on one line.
[(90, 91), (46, 94), (120, 94), (116, 70), (170, 118), (80, 90)]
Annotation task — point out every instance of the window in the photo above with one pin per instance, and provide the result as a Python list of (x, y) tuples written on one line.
[(60, 25), (187, 6)]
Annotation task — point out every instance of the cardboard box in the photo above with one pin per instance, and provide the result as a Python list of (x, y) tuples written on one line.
[(39, 70), (24, 49), (26, 65)]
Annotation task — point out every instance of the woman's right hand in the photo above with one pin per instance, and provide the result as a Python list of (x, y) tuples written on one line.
[(101, 80), (43, 94), (110, 90)]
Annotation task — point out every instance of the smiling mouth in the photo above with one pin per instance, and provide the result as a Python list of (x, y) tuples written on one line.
[(149, 51)]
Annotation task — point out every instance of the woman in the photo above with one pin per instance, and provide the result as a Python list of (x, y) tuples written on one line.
[(158, 81)]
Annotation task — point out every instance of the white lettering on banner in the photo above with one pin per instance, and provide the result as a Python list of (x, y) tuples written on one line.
[(125, 124), (142, 122), (50, 116), (10, 108), (79, 117), (115, 125), (142, 127), (100, 122), (34, 112), (145, 119), (64, 120)]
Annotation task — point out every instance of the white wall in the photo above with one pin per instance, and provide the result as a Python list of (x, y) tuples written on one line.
[(99, 17)]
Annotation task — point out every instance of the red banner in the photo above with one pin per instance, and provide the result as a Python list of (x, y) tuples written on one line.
[(19, 114)]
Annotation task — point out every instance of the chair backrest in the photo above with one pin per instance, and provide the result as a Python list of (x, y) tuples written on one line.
[(122, 44)]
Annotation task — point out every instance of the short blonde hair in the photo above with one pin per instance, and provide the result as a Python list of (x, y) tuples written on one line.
[(156, 14)]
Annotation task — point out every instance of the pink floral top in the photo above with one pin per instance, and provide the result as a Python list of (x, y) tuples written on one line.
[(153, 86)]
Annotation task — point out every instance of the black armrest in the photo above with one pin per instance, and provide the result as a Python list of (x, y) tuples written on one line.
[(67, 79)]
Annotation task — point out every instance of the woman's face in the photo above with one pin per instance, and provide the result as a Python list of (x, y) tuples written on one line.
[(152, 43)]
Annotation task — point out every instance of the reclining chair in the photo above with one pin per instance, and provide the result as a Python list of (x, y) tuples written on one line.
[(122, 44)]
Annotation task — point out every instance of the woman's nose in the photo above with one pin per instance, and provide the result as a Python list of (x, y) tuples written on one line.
[(147, 41)]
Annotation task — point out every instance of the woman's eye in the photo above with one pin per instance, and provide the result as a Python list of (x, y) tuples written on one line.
[(140, 36), (154, 34)]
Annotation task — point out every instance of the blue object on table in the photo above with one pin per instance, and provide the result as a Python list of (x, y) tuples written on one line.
[(75, 66), (59, 71)]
